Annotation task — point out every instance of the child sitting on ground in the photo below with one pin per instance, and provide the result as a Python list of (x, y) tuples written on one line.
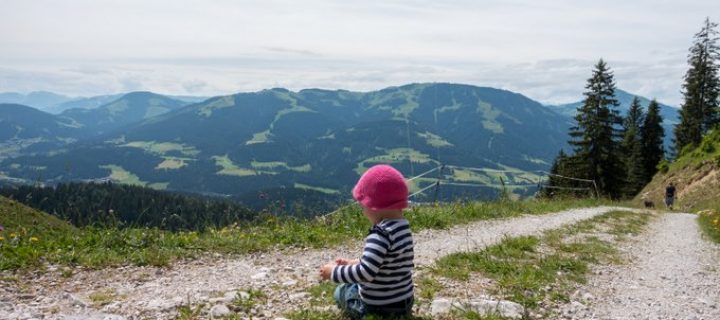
[(380, 282)]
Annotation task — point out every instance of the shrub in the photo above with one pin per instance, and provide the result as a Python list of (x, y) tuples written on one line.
[(663, 166)]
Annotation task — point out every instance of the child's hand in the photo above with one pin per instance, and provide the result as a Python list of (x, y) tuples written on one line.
[(346, 262), (326, 271)]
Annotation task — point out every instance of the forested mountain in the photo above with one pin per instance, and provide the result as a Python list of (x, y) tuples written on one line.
[(319, 140), (129, 108), (83, 103), (28, 130)]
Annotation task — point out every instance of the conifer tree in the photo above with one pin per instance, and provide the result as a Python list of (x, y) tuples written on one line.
[(652, 135), (596, 136), (701, 89), (553, 179), (632, 149)]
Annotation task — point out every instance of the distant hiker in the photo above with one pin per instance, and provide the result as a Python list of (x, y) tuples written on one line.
[(380, 282), (670, 196)]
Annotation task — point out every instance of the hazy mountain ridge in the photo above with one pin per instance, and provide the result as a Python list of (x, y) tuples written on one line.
[(317, 140)]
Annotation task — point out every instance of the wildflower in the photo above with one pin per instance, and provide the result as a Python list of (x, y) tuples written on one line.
[(33, 239), (13, 235), (1, 238)]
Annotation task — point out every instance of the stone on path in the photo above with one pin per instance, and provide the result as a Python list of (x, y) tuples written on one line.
[(504, 308), (219, 311)]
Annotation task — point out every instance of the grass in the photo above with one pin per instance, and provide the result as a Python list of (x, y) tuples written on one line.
[(103, 297), (161, 148), (245, 303), (120, 175), (709, 221), (524, 267), (172, 163), (271, 165), (319, 189), (59, 243), (260, 137), (219, 103), (322, 293), (395, 155), (434, 140), (230, 169), (490, 115)]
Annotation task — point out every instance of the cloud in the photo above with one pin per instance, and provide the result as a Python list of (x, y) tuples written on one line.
[(542, 49)]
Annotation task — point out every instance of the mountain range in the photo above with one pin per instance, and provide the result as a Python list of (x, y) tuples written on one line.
[(57, 103), (283, 143)]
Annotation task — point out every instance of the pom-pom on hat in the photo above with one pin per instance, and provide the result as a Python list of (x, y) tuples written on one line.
[(381, 188)]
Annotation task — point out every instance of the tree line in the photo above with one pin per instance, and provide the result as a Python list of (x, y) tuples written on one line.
[(116, 205), (620, 155)]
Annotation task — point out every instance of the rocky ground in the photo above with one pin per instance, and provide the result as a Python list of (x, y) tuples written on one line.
[(672, 274), (681, 281)]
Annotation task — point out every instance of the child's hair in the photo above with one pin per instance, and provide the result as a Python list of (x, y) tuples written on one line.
[(381, 187)]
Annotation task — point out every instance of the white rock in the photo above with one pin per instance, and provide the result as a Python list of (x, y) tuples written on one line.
[(507, 309), (243, 295), (76, 301), (259, 275), (219, 311), (289, 283), (229, 296), (299, 296), (441, 306), (114, 317), (163, 305)]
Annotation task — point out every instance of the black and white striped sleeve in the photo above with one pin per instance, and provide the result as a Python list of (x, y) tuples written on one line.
[(376, 248)]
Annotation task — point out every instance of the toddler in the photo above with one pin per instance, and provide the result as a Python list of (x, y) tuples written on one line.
[(380, 282)]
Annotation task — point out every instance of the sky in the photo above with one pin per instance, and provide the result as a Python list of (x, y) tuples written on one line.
[(542, 49)]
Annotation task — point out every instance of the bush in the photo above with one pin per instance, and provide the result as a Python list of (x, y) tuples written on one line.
[(687, 149), (707, 146), (663, 166)]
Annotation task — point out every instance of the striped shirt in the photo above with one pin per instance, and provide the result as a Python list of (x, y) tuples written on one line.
[(384, 273)]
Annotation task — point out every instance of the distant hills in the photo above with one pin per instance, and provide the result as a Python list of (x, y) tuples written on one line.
[(127, 109), (311, 140), (280, 144), (57, 103)]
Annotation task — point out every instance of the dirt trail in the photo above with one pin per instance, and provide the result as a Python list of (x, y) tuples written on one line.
[(147, 292), (672, 274)]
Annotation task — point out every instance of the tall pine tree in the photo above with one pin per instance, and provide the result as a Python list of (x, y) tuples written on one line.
[(632, 149), (701, 89), (596, 136), (652, 140)]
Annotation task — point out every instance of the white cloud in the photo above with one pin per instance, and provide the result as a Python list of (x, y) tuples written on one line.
[(543, 49)]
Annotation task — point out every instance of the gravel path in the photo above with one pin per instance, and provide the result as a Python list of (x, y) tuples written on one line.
[(673, 274), (282, 275)]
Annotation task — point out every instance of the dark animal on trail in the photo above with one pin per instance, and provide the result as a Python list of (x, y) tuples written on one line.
[(649, 204)]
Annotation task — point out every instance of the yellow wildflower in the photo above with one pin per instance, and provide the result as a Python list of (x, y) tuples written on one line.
[(1, 238), (13, 235), (33, 239)]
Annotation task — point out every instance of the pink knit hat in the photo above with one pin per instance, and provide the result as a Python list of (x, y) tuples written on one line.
[(381, 187)]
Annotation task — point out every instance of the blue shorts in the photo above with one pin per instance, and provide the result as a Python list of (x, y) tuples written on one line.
[(347, 297)]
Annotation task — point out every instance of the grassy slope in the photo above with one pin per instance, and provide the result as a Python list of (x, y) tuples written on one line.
[(93, 247), (696, 175)]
